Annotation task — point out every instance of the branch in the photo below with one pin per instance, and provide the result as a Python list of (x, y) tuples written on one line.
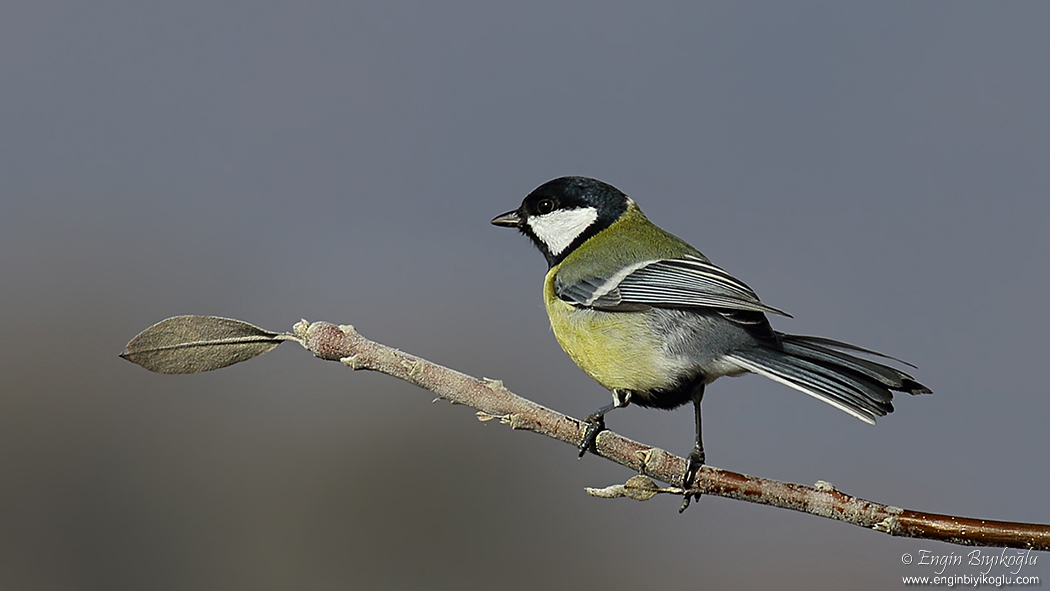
[(168, 347)]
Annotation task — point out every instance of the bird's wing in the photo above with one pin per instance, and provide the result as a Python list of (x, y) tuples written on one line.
[(687, 282)]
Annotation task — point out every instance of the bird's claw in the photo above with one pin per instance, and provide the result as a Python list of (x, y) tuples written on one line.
[(595, 425), (696, 461)]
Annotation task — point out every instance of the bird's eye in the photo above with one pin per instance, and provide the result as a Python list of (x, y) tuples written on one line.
[(545, 206)]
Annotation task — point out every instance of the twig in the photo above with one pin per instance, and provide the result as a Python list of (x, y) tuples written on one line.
[(493, 401), (192, 344)]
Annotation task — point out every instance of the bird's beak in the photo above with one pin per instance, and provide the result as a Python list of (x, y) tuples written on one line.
[(511, 219)]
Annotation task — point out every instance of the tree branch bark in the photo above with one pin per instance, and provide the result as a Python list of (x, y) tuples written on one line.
[(493, 401)]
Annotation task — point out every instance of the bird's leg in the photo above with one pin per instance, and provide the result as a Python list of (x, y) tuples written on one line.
[(696, 457), (596, 420)]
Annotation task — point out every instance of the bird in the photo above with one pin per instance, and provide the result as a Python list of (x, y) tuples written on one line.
[(654, 321)]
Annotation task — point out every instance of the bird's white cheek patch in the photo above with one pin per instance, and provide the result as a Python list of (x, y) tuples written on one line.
[(559, 228)]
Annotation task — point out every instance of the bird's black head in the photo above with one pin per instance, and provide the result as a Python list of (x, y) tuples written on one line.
[(561, 214)]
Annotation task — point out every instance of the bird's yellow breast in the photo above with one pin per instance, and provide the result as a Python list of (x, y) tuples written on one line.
[(617, 349)]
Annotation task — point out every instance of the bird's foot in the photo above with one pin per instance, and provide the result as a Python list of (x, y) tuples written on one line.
[(595, 425), (696, 461)]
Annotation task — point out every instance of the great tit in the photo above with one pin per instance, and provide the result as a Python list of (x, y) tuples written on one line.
[(653, 320)]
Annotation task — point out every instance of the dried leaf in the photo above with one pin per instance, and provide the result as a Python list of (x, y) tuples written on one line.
[(192, 344), (640, 488), (610, 492)]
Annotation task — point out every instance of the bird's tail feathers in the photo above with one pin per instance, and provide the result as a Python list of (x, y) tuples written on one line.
[(819, 367)]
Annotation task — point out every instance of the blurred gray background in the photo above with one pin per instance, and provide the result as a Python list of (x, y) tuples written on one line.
[(879, 171)]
